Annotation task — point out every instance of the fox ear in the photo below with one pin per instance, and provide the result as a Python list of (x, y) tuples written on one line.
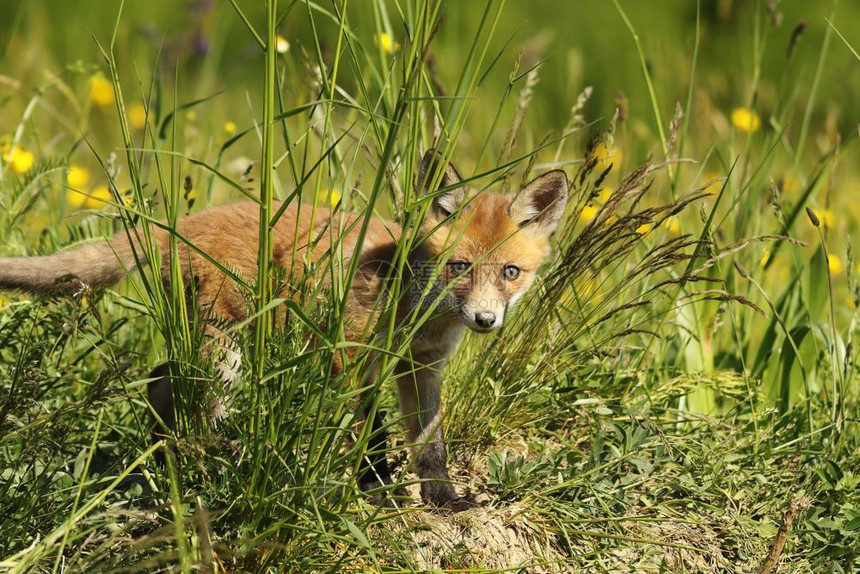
[(448, 201), (541, 203)]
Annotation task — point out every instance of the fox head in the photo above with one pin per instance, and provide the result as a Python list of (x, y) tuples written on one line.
[(487, 245)]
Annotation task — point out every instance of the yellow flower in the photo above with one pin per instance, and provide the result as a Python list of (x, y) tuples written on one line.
[(74, 198), (191, 116), (746, 120), (127, 197), (834, 265), (95, 199), (137, 116), (607, 155), (711, 182), (329, 196), (20, 160), (101, 91), (77, 176), (580, 292), (385, 42), (281, 45), (673, 225), (605, 194), (643, 229), (229, 128), (826, 217), (588, 213), (589, 287), (590, 290), (765, 257), (98, 198)]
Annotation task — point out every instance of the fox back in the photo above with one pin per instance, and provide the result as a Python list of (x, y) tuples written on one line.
[(479, 250)]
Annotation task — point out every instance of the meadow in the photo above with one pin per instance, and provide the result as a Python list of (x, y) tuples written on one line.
[(677, 393)]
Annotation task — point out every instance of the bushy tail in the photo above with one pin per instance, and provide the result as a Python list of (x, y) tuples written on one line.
[(87, 267)]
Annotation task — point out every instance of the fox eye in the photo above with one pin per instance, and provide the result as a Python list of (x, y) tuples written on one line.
[(511, 272), (458, 267)]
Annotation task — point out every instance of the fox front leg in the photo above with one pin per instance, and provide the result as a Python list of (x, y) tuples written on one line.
[(420, 388), (162, 419), (373, 472)]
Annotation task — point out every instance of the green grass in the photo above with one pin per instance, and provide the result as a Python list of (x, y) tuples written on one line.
[(682, 375)]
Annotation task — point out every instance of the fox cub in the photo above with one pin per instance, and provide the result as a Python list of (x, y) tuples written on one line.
[(482, 250)]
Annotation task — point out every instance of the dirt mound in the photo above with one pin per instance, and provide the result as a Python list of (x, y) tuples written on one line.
[(483, 538), (517, 539)]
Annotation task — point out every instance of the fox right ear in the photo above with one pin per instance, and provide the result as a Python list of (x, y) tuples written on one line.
[(540, 204), (434, 170)]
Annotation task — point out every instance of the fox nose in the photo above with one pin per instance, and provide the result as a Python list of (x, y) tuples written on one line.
[(485, 319)]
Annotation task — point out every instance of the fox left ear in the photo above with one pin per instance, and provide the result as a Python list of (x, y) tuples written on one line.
[(449, 201), (541, 203)]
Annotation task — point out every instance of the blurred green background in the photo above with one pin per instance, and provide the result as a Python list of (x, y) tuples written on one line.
[(582, 43)]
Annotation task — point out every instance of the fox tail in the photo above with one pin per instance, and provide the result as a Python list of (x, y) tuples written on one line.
[(89, 266)]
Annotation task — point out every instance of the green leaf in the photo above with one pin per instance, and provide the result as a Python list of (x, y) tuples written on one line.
[(359, 536), (817, 287)]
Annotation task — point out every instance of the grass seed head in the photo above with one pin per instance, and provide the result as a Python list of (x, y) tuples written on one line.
[(813, 217)]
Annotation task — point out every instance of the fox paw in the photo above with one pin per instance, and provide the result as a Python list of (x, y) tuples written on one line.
[(443, 496), (460, 504)]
